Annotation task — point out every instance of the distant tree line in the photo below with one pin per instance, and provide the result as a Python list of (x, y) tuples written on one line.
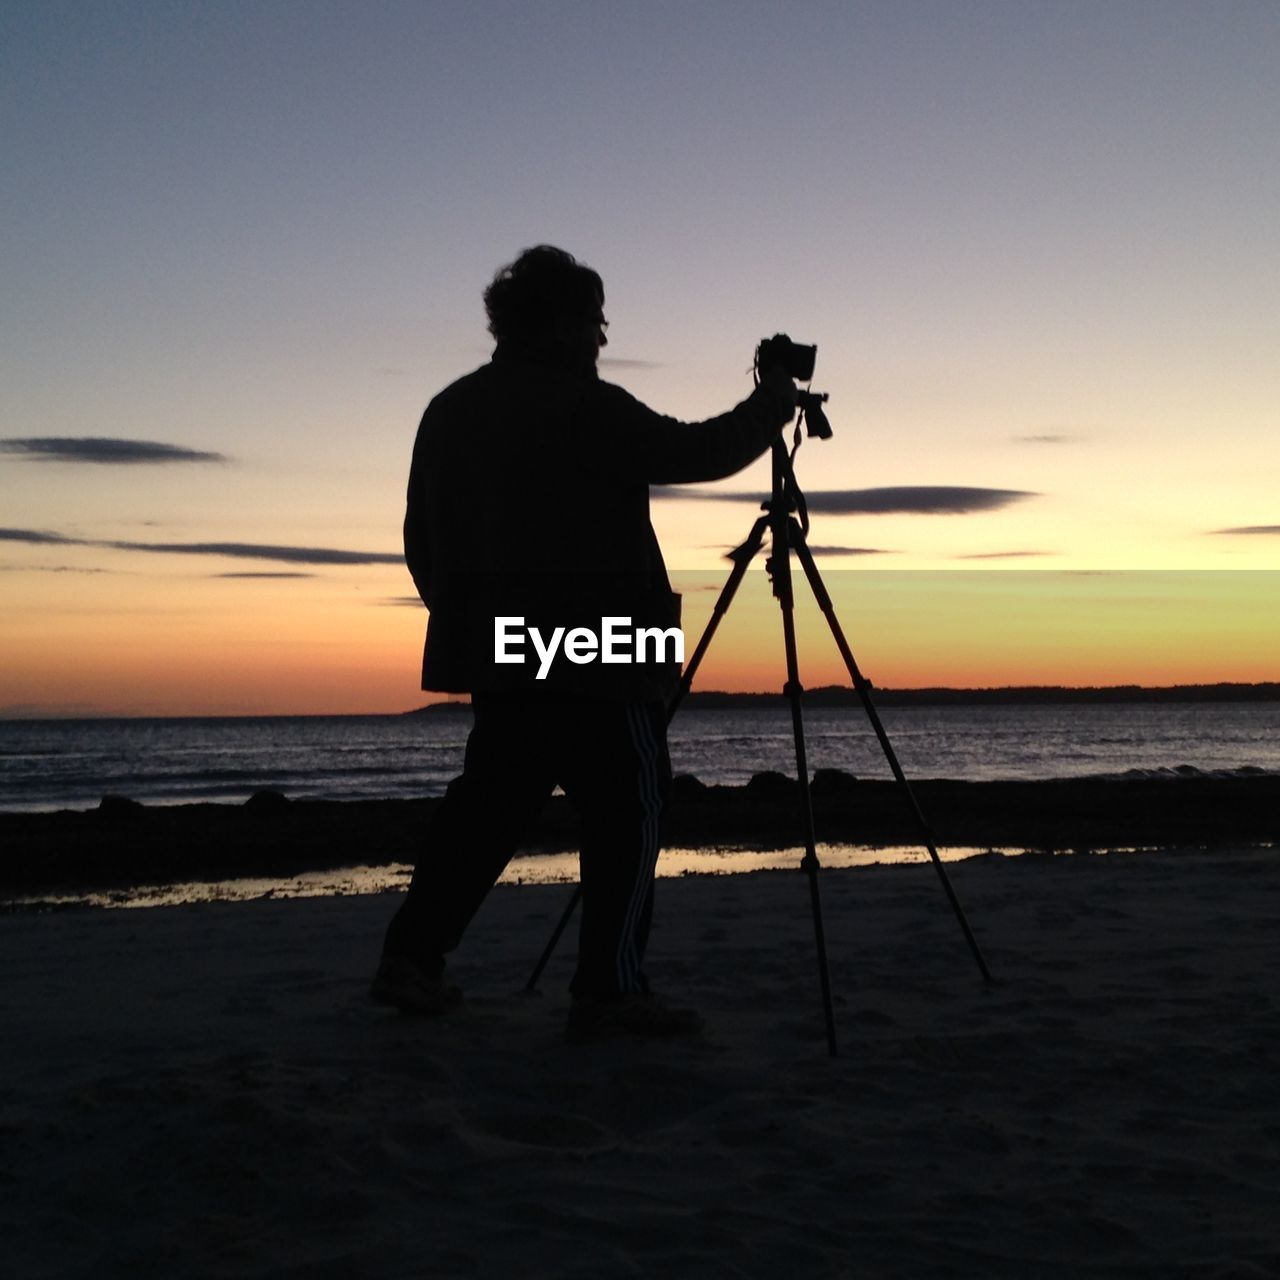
[(1024, 695), (839, 696)]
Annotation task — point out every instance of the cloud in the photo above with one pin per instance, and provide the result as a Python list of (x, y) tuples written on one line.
[(1263, 529), (49, 568), (897, 500), (913, 499), (260, 551), (849, 551), (1002, 555), (264, 575), (618, 362), (403, 602), (102, 449), (1049, 438), (37, 537), (824, 549), (232, 550)]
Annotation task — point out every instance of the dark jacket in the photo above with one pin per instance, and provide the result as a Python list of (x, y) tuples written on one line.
[(529, 496)]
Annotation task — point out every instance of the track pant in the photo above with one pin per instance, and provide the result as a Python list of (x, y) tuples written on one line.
[(611, 759)]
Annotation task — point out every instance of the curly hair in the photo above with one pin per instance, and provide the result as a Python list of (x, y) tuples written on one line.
[(543, 285)]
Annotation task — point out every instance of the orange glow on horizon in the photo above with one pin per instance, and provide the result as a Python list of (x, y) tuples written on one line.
[(257, 649), (980, 630)]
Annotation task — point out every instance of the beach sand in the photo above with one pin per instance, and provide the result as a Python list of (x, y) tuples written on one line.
[(205, 1090)]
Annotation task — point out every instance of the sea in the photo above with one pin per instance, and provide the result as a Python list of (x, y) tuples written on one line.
[(72, 764)]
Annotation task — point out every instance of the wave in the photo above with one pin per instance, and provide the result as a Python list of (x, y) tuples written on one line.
[(1180, 772), (73, 765)]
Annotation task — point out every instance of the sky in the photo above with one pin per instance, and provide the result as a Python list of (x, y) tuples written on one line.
[(244, 244)]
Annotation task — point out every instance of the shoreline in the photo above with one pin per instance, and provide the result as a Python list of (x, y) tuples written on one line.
[(839, 695), (123, 843), (548, 870)]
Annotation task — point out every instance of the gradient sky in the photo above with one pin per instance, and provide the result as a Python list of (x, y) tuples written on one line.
[(244, 243)]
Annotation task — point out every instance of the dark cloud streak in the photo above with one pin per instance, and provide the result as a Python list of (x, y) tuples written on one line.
[(257, 551), (232, 550), (103, 449), (914, 500), (620, 362), (849, 551), (49, 568), (895, 500), (1003, 555), (38, 538), (1251, 529)]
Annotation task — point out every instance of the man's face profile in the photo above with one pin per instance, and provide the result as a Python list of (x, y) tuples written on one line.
[(598, 326), (585, 336)]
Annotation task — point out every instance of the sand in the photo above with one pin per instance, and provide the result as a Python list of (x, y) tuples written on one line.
[(205, 1091)]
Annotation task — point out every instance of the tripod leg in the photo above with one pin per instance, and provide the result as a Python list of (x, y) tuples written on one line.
[(556, 934), (864, 693), (741, 557), (782, 588)]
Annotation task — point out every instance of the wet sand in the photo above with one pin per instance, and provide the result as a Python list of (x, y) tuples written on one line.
[(123, 843), (205, 1091)]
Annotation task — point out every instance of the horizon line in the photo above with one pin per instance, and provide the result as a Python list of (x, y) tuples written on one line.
[(37, 714)]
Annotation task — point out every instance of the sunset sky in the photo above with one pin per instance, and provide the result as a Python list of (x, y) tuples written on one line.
[(244, 244)]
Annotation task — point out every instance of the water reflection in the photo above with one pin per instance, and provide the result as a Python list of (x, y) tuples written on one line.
[(549, 868)]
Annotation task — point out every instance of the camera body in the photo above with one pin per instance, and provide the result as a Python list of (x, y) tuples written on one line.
[(796, 359)]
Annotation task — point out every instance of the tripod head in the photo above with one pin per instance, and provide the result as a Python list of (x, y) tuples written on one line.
[(812, 415), (786, 497)]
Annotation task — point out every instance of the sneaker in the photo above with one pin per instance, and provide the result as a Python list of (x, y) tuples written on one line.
[(604, 1017), (402, 984)]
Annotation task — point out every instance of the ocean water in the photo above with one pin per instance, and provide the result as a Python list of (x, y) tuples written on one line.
[(72, 764)]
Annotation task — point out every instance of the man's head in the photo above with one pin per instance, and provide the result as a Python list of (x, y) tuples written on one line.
[(548, 307)]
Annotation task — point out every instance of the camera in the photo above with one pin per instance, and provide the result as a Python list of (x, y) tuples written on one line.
[(796, 359)]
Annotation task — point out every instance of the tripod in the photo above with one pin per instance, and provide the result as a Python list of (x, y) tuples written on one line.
[(787, 534)]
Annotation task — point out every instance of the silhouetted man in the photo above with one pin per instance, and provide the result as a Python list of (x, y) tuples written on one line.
[(527, 534)]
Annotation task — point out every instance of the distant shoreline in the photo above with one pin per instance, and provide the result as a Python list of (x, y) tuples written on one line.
[(1013, 695), (822, 696)]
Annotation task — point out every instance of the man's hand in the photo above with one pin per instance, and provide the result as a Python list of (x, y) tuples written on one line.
[(782, 387)]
